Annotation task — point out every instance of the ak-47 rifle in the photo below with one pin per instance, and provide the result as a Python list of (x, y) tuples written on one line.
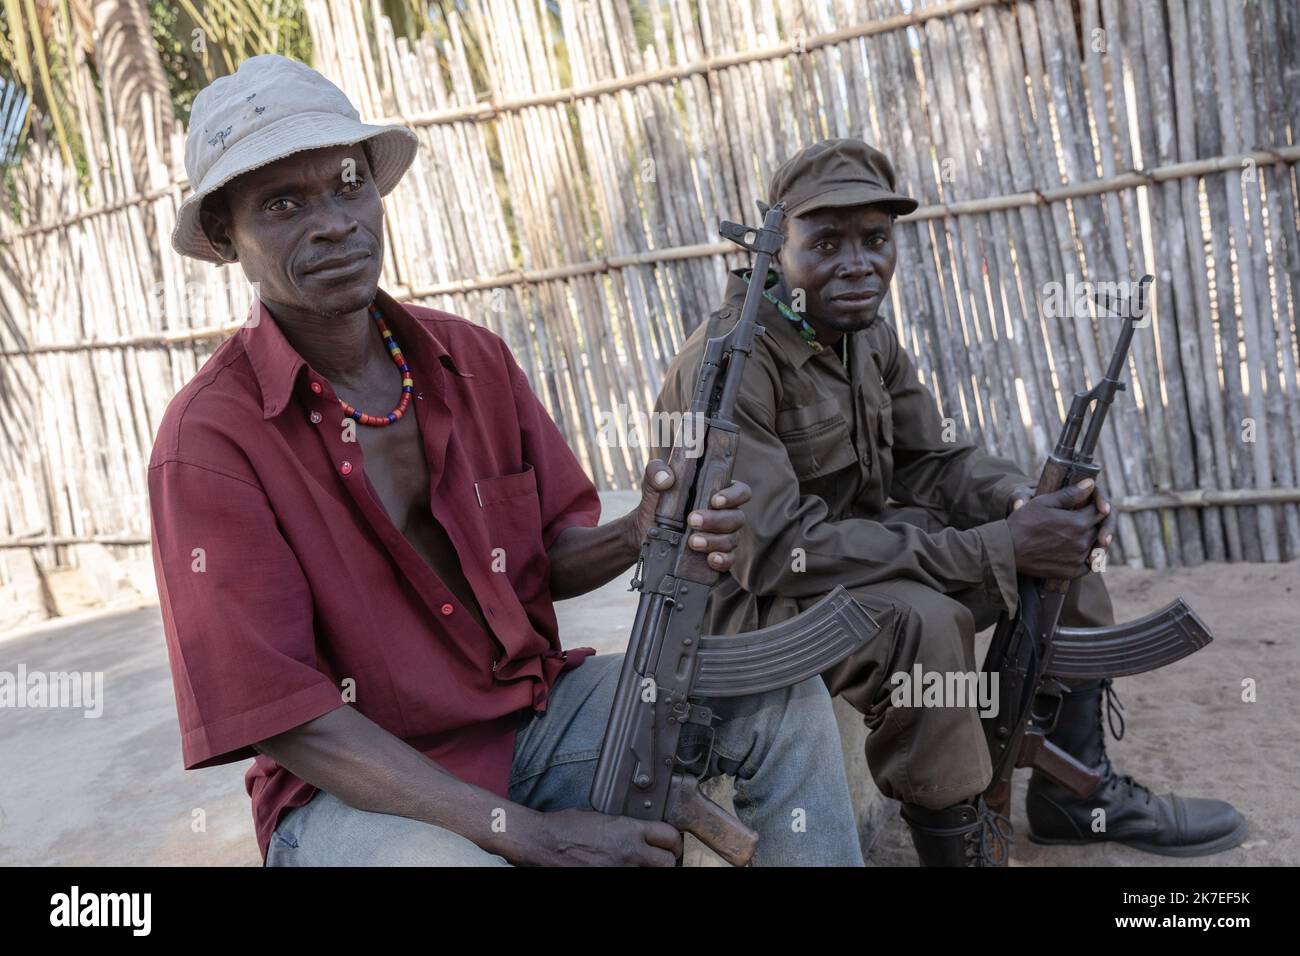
[(1033, 656), (671, 670)]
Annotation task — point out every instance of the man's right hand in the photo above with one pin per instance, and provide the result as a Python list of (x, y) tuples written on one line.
[(1053, 535), (588, 838)]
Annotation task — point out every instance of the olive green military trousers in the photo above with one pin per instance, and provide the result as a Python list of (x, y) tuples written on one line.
[(934, 756)]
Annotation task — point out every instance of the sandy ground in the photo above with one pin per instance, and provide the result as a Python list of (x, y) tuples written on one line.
[(111, 790), (1188, 728)]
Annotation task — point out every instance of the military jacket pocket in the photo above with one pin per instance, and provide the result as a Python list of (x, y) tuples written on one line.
[(816, 438)]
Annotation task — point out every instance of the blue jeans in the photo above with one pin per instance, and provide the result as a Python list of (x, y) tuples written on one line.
[(782, 748)]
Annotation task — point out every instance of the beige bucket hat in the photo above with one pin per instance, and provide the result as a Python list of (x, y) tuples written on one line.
[(267, 109)]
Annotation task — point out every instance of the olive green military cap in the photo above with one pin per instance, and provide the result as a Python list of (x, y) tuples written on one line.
[(836, 172)]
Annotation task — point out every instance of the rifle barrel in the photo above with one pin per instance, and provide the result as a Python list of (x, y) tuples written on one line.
[(1106, 390), (744, 330)]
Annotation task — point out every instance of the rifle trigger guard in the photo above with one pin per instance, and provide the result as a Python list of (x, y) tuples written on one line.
[(1054, 691), (699, 766), (684, 712)]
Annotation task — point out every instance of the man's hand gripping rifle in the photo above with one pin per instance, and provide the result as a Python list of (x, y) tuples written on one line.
[(671, 671)]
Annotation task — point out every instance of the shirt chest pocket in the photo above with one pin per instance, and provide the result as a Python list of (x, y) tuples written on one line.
[(511, 515), (507, 488), (816, 438)]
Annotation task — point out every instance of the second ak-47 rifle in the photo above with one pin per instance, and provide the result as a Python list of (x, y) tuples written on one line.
[(1034, 657), (671, 670)]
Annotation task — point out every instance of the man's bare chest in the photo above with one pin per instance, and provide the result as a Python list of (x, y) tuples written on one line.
[(397, 469), (398, 472)]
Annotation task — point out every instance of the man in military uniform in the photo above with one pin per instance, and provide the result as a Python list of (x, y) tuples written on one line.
[(854, 484)]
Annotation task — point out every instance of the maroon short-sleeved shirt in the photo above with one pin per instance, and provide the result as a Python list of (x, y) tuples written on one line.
[(285, 587)]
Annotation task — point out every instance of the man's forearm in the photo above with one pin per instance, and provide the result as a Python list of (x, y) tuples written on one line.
[(350, 756), (970, 486), (582, 559)]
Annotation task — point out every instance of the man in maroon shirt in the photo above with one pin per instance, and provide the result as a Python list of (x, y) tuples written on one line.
[(361, 515)]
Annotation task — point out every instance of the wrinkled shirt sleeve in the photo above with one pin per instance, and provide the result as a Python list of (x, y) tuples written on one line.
[(237, 614), (954, 478)]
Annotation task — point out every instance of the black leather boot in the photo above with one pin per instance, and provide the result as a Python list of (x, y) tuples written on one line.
[(1169, 825), (966, 834)]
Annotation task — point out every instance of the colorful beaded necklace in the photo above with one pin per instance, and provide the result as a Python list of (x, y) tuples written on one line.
[(806, 331), (407, 383)]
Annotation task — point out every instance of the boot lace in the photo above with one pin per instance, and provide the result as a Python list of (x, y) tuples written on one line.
[(1114, 713), (991, 842)]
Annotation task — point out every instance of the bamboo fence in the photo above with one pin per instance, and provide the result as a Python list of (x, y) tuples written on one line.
[(572, 207)]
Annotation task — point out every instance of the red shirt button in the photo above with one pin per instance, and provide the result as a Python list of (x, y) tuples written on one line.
[(447, 609), (346, 468), (315, 418), (315, 387)]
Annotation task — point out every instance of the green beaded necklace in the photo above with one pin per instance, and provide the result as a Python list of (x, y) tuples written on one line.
[(806, 331)]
